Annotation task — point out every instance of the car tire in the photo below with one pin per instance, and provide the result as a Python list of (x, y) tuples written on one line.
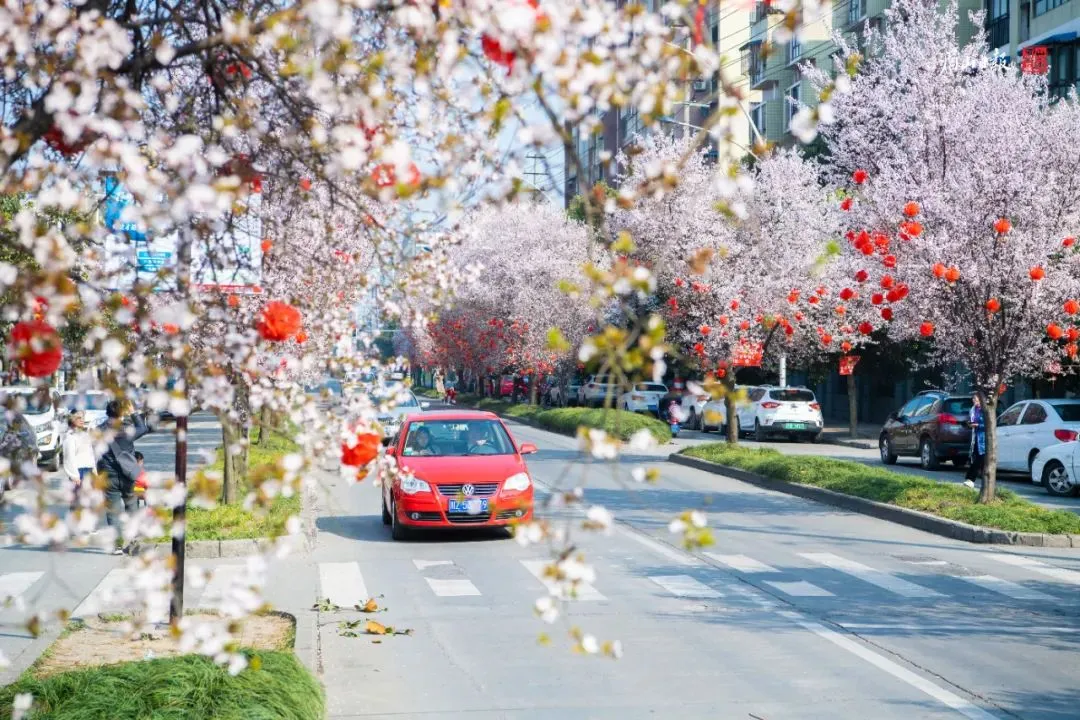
[(1056, 480), (759, 433), (815, 438), (885, 448), (693, 422), (928, 458), (386, 518), (397, 531), (53, 463)]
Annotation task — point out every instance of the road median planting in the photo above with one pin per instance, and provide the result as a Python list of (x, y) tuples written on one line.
[(943, 508), (567, 420)]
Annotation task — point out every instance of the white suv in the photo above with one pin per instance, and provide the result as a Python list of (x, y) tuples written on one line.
[(790, 411), (714, 413), (595, 391)]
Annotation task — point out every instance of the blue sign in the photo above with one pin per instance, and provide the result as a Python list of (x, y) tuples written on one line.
[(116, 199), (151, 262)]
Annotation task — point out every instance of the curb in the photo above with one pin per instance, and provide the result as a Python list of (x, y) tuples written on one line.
[(882, 511), (208, 549), (847, 442)]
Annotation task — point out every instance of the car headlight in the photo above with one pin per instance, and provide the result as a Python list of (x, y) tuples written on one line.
[(411, 486), (517, 482)]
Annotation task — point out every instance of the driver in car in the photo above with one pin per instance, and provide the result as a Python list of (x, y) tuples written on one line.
[(420, 443), (479, 440)]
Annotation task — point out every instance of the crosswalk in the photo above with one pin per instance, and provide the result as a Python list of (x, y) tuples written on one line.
[(817, 577)]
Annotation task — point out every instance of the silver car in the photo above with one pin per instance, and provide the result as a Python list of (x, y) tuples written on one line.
[(395, 404)]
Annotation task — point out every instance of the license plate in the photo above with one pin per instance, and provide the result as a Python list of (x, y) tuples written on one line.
[(795, 426), (473, 507)]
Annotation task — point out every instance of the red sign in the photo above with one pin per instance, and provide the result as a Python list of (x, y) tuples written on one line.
[(1034, 60), (848, 363), (747, 354)]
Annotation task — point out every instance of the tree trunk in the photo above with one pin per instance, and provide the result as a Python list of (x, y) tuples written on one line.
[(230, 438), (266, 417), (732, 419), (989, 483), (852, 406)]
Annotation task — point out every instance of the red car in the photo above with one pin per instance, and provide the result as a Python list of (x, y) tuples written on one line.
[(462, 469)]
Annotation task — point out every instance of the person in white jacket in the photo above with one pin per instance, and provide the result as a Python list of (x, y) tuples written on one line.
[(79, 460)]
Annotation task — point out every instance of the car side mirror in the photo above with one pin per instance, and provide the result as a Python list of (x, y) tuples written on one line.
[(528, 449)]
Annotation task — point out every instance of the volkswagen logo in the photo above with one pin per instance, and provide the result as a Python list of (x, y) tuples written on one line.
[(467, 489)]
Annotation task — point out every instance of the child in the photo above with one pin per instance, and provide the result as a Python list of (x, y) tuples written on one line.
[(140, 482)]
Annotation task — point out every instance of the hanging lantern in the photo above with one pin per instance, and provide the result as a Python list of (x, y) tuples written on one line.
[(278, 321), (36, 347)]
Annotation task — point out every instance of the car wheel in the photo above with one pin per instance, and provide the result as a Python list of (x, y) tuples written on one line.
[(885, 448), (397, 531), (693, 422), (386, 518), (759, 432), (53, 464), (927, 455), (1056, 480)]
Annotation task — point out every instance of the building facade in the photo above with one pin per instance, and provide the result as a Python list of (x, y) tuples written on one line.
[(1049, 27)]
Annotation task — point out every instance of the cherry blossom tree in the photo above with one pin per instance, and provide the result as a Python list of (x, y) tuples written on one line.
[(968, 172)]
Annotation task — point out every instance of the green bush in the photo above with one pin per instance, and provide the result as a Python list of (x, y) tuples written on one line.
[(948, 500), (188, 687), (618, 423)]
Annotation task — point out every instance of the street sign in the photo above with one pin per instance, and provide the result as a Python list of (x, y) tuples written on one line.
[(1034, 60)]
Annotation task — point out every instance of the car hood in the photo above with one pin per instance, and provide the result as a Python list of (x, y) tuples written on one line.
[(41, 420), (478, 468)]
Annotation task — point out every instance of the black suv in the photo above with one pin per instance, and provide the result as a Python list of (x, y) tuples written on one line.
[(932, 426)]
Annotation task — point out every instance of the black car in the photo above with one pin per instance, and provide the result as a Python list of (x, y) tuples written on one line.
[(932, 426)]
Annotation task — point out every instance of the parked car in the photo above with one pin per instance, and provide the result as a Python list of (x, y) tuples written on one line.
[(596, 390), (692, 406), (42, 409), (506, 386), (932, 426), (790, 411), (714, 412), (461, 468), (1057, 467), (644, 397), (18, 445), (1029, 426)]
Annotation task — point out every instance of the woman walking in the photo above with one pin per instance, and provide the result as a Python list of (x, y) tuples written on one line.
[(79, 460), (977, 422)]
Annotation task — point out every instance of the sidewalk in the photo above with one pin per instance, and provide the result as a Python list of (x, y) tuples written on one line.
[(841, 435)]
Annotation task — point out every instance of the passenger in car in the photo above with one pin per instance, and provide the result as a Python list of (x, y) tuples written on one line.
[(420, 443)]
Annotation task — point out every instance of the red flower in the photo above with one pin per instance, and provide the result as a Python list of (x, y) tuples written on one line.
[(866, 328), (364, 451), (952, 274), (845, 346), (679, 282), (862, 276), (889, 261), (859, 176), (301, 337), (788, 330), (793, 297), (673, 303), (911, 229), (699, 348), (893, 295), (723, 320), (744, 325), (36, 347), (886, 314), (495, 52), (705, 330), (993, 305), (1036, 273), (305, 184), (1002, 226), (939, 270), (266, 244), (386, 176), (1072, 334), (840, 309), (1071, 307), (867, 249), (887, 282), (911, 209), (877, 298), (813, 299), (846, 294), (279, 321), (1072, 349), (1054, 331), (926, 329), (846, 203), (826, 339), (734, 304)]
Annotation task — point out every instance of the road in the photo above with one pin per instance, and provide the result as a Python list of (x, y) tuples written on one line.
[(1019, 484)]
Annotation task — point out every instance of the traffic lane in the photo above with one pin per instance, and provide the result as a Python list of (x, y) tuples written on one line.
[(939, 604), (1018, 483), (468, 598)]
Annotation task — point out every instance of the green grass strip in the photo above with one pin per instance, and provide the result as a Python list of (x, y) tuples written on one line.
[(948, 500)]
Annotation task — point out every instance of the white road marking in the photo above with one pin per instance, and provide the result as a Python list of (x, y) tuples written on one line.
[(584, 592), (742, 563), (456, 587), (1010, 589), (667, 551), (685, 586), (1070, 576), (104, 593), (1020, 629), (424, 564), (799, 589), (868, 574), (342, 584), (12, 585), (221, 580), (964, 707)]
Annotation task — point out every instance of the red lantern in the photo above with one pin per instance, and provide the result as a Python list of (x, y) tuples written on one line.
[(386, 176), (993, 305), (860, 176), (911, 209), (1036, 273), (364, 451), (279, 321), (926, 329), (37, 348)]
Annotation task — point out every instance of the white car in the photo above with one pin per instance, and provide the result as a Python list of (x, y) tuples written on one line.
[(1056, 467), (391, 418), (595, 391), (714, 413), (645, 397), (790, 411), (40, 410), (1029, 426), (91, 403)]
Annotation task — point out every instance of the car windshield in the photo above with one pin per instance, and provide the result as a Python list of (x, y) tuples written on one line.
[(792, 395), (456, 438), (387, 396), (957, 406), (1069, 412), (85, 402), (36, 403)]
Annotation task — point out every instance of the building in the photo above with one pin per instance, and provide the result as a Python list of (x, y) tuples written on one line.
[(1048, 29)]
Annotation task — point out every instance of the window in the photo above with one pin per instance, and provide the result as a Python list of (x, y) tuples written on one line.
[(761, 11), (651, 387), (1044, 6), (1011, 415), (794, 50), (1068, 412), (957, 406), (909, 409), (924, 406), (793, 97), (856, 11), (791, 395), (757, 120), (755, 394), (757, 65), (443, 438), (1035, 414), (997, 23)]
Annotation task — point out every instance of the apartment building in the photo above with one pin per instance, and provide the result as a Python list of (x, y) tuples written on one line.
[(1050, 28)]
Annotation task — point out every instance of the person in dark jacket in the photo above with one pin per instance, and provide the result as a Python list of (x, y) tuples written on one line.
[(120, 488)]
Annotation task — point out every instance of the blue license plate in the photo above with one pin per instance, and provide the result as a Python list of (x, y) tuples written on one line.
[(473, 507)]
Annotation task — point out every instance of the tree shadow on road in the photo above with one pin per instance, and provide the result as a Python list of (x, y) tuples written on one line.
[(369, 528)]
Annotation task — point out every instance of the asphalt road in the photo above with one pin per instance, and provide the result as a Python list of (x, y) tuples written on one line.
[(1020, 484), (798, 611)]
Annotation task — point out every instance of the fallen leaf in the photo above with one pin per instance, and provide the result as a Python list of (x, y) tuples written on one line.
[(373, 628), (370, 606)]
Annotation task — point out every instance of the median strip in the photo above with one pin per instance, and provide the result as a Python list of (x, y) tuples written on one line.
[(940, 508)]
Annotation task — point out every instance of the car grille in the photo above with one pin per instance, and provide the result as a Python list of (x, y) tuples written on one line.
[(479, 489), (467, 519)]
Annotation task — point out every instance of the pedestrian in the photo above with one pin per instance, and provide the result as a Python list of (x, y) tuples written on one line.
[(78, 451), (141, 482), (119, 465), (440, 387), (977, 453)]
